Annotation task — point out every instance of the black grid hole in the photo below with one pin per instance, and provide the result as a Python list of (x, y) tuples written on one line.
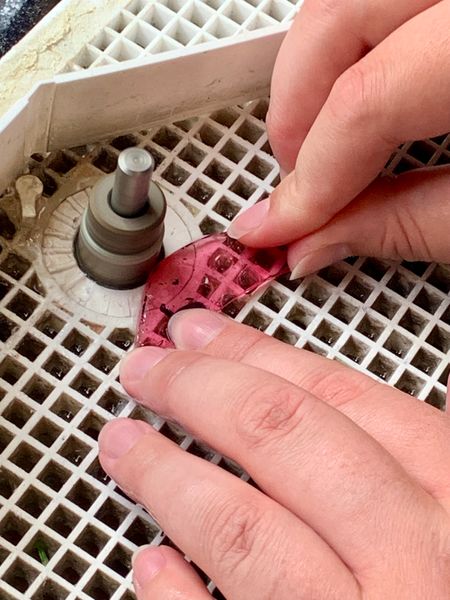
[(285, 335), (386, 305), (311, 347), (400, 284), (62, 163), (209, 135), (50, 324), (128, 596), (192, 154), (232, 467), (201, 450), (247, 278), (5, 438), (249, 131), (100, 587), (7, 328), (234, 245), (157, 156), (122, 142), (209, 226), (201, 191), (359, 289), (91, 425), (13, 528), (58, 366), (173, 432), (122, 338), (175, 174), (15, 266), (427, 300), (4, 288), (63, 521), (38, 389), (167, 138), (104, 360), (42, 548), (382, 367), (217, 171), (267, 148), (46, 432), (418, 268), (260, 110), (233, 151), (96, 470), (8, 482), (113, 402), (71, 567), (141, 532), (3, 556), (119, 560), (34, 502), (274, 299), (225, 117), (259, 167), (143, 414), (300, 316), (398, 344), (440, 278), (11, 370), (186, 124), (92, 540), (30, 347), (444, 159), (404, 166), (327, 333), (422, 150), (76, 343), (50, 590), (413, 322), (440, 339), (443, 378), (111, 513), (316, 293), (17, 413), (74, 450), (26, 457), (343, 310), (85, 384), (355, 350), (436, 398), (65, 407), (243, 187), (22, 305), (374, 268), (334, 274), (83, 494), (54, 476), (208, 286), (7, 227), (410, 384), (20, 575), (257, 320), (227, 208), (426, 361), (106, 161)]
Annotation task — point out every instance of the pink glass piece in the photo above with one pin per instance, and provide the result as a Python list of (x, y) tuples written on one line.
[(215, 272)]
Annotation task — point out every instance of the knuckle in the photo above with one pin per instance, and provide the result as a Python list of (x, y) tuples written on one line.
[(269, 413), (403, 238), (337, 388), (234, 536)]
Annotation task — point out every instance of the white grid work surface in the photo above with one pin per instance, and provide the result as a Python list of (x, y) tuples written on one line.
[(58, 369), (146, 27)]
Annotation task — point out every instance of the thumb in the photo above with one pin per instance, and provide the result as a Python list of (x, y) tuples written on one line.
[(407, 218)]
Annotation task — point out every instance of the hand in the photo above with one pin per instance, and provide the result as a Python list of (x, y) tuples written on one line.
[(352, 81), (354, 477)]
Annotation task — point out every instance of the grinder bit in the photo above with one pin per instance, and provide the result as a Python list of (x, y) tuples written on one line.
[(121, 232)]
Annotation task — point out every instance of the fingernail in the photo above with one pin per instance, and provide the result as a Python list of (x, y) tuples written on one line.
[(119, 436), (147, 562), (193, 329), (314, 261), (136, 365), (250, 220)]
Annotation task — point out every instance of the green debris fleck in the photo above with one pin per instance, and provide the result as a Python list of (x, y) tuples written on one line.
[(42, 551)]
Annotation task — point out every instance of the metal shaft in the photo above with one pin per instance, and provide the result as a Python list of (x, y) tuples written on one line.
[(129, 195)]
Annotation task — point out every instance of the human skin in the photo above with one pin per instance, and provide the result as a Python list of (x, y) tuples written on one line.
[(352, 81), (353, 497)]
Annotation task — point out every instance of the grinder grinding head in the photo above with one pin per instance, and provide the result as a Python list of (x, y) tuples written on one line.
[(121, 232)]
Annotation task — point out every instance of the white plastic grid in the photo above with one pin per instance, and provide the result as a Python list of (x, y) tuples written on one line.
[(146, 27), (58, 372)]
